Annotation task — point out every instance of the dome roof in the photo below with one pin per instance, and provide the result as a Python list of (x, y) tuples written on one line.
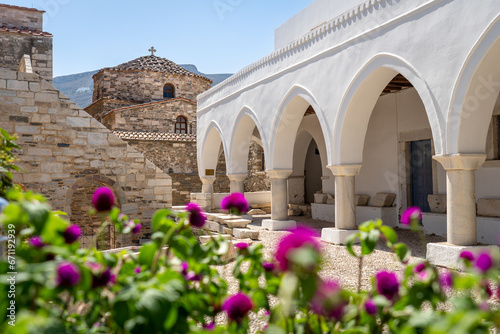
[(155, 64)]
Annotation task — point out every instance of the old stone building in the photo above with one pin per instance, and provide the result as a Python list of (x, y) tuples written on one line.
[(66, 153), (150, 102)]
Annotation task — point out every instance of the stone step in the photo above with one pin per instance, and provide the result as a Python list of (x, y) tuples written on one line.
[(237, 223), (248, 241), (206, 238), (179, 208), (223, 218), (213, 216), (227, 230), (214, 227), (245, 233)]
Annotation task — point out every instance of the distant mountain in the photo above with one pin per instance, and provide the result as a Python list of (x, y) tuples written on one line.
[(78, 87)]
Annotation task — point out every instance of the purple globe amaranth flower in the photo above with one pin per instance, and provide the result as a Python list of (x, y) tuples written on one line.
[(137, 270), (210, 327), (387, 284), (328, 300), (184, 267), (484, 262), (136, 229), (420, 267), (299, 237), (72, 233), (241, 246), (196, 216), (268, 266), (235, 202), (68, 275), (411, 214), (103, 199), (237, 307), (102, 279), (467, 255), (37, 242), (446, 280), (370, 307), (193, 277)]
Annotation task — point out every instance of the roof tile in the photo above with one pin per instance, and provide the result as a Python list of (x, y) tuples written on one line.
[(155, 136)]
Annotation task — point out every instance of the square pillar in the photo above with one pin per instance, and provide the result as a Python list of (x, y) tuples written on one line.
[(279, 201), (345, 204)]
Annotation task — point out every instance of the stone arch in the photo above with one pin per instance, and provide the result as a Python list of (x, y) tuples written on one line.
[(209, 150), (78, 203), (286, 124), (241, 138), (359, 101), (475, 94)]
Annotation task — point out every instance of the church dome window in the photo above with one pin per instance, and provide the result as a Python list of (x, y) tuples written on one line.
[(168, 91)]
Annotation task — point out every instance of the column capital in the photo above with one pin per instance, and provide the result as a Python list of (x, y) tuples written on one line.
[(461, 161), (207, 179), (345, 170), (237, 177), (279, 173)]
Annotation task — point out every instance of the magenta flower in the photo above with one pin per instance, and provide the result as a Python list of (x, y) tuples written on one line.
[(484, 262), (268, 266), (235, 203), (137, 270), (420, 267), (101, 279), (241, 246), (136, 229), (446, 280), (411, 214), (193, 277), (103, 199), (328, 300), (299, 237), (37, 242), (196, 216), (370, 307), (72, 233), (68, 275), (467, 256), (387, 284), (237, 306), (210, 327), (185, 268)]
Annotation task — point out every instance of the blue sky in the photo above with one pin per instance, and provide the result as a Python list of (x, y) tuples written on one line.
[(218, 36)]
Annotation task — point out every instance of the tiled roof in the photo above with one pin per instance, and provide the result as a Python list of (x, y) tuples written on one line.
[(143, 105), (155, 136), (26, 31), (21, 8), (155, 64)]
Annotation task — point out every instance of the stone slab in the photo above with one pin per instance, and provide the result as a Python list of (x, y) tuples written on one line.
[(213, 226), (224, 218), (330, 199), (278, 225), (244, 233), (320, 198), (383, 200), (488, 207), (256, 212), (447, 255), (361, 200), (227, 230), (237, 223), (437, 203), (212, 216), (206, 238), (336, 236)]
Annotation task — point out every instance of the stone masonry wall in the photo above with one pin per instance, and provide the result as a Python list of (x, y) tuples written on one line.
[(20, 17), (100, 107), (14, 45), (146, 86), (64, 148), (152, 117)]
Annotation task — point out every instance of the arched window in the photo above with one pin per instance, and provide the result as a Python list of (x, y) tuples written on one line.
[(168, 91), (181, 125)]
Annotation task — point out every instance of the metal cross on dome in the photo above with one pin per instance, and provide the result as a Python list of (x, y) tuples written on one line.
[(152, 50)]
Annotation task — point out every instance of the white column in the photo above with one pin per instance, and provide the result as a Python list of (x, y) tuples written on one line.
[(279, 201), (207, 184), (461, 210), (345, 205), (237, 182), (461, 197)]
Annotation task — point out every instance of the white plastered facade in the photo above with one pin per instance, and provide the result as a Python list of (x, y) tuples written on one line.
[(339, 63)]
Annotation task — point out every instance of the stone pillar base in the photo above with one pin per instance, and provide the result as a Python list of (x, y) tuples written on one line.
[(447, 255), (336, 236), (278, 225)]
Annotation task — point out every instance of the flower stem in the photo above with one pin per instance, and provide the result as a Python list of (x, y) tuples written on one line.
[(164, 241), (360, 272)]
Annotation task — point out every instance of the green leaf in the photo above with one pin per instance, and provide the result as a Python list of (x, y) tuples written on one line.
[(158, 217), (349, 242), (402, 252), (369, 242), (147, 254), (389, 233)]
